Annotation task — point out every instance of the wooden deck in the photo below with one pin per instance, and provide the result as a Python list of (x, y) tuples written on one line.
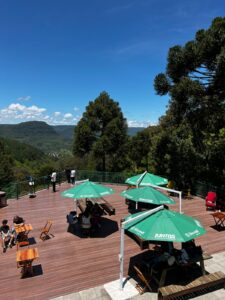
[(69, 263)]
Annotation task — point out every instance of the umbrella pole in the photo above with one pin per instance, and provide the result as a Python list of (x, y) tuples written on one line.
[(136, 205), (121, 256), (180, 200), (75, 202)]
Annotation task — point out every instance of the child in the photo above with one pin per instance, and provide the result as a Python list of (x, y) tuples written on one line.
[(6, 234)]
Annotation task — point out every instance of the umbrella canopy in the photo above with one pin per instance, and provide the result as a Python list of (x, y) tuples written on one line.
[(145, 179), (164, 225), (147, 195), (87, 189)]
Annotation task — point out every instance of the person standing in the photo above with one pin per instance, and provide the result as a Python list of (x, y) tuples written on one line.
[(67, 171), (53, 180), (72, 176)]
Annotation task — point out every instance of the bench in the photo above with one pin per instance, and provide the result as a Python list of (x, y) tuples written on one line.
[(106, 206), (203, 282), (142, 243)]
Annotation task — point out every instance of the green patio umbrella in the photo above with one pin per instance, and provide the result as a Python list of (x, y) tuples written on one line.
[(147, 195), (88, 189), (164, 225), (145, 179)]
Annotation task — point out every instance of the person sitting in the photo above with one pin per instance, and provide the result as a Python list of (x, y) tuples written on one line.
[(96, 214), (167, 247), (72, 218), (17, 222), (161, 261), (89, 207), (6, 235), (191, 248), (86, 222), (163, 257)]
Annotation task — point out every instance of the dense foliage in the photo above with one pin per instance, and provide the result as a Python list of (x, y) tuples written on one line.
[(191, 143), (6, 170), (101, 134)]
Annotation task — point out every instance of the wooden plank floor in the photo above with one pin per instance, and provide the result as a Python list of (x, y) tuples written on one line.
[(69, 263)]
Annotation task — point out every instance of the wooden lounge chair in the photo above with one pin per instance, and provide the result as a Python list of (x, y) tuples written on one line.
[(200, 284), (45, 231), (144, 280)]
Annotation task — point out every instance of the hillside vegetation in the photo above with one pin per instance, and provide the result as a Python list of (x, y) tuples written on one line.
[(48, 139), (37, 134)]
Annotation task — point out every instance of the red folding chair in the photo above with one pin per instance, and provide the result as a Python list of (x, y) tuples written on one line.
[(210, 200)]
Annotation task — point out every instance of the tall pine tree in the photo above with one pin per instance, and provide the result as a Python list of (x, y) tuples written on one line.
[(102, 134)]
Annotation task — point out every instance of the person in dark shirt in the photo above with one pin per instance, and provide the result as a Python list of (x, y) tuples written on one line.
[(6, 235), (68, 175), (17, 222)]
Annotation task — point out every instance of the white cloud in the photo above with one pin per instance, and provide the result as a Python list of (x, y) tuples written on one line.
[(35, 110), (17, 112), (76, 108), (24, 98), (135, 123), (68, 116), (15, 107)]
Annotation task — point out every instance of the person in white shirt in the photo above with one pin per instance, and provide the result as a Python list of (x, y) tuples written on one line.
[(72, 176), (53, 180)]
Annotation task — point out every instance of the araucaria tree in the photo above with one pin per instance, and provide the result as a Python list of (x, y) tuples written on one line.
[(195, 82), (101, 134)]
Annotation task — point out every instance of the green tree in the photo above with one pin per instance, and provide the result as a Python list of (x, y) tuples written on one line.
[(6, 170), (139, 148), (175, 156), (195, 81), (102, 134)]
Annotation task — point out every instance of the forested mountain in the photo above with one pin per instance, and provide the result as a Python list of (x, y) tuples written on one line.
[(37, 134), (66, 131), (18, 160), (49, 139), (22, 152)]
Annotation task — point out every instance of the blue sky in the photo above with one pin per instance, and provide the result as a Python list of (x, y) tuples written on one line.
[(57, 55)]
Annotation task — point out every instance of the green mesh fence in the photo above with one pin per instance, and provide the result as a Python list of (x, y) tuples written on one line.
[(18, 189), (202, 188), (107, 177)]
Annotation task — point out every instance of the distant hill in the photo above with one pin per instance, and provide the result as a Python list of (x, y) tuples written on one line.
[(21, 152), (49, 139), (38, 134), (67, 131), (134, 130)]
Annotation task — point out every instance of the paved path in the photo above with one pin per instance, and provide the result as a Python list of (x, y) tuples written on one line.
[(217, 263)]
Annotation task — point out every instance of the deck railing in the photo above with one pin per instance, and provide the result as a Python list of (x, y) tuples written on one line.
[(21, 188)]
